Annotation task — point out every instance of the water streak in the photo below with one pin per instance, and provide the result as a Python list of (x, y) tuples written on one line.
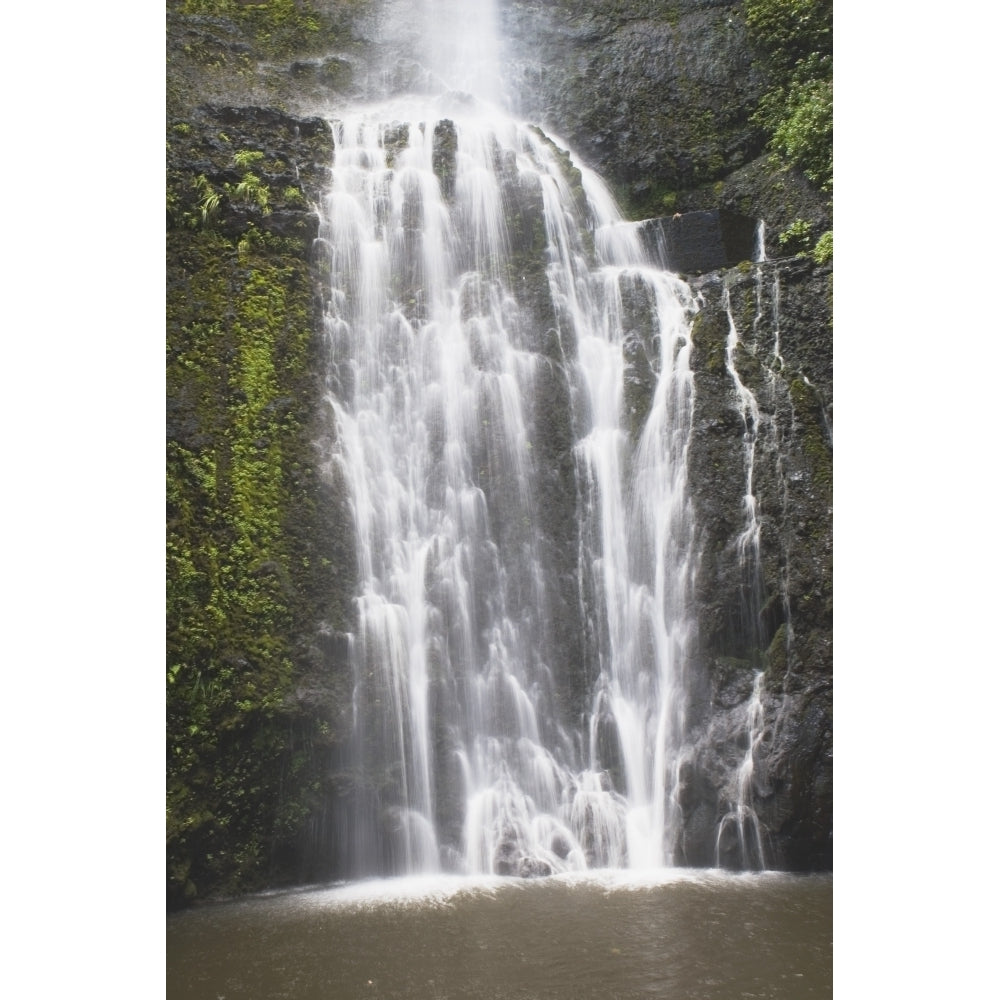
[(748, 541), (742, 817), (485, 294)]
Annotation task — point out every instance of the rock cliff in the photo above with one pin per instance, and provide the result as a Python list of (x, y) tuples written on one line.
[(657, 97), (772, 610)]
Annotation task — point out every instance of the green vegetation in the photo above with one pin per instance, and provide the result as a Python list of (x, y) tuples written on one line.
[(794, 39), (246, 158), (822, 253), (443, 159), (267, 53), (776, 658), (229, 612), (797, 239), (247, 581), (571, 173), (816, 447), (250, 190), (279, 26), (209, 202)]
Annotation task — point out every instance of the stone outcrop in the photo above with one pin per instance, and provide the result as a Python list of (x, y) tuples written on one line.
[(774, 614), (657, 98), (696, 242), (259, 557)]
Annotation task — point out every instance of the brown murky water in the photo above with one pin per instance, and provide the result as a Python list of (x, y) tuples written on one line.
[(677, 934)]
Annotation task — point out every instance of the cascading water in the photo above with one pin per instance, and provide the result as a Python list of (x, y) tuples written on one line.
[(742, 818), (748, 542), (747, 845), (512, 399)]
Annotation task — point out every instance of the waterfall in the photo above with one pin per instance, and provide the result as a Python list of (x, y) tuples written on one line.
[(741, 818), (748, 541), (759, 251), (510, 385)]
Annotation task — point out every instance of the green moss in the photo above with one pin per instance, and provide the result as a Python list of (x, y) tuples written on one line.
[(229, 665), (708, 337), (443, 156), (815, 445), (279, 26), (796, 238), (793, 40), (248, 575), (776, 657), (647, 199), (822, 253), (246, 158), (571, 173), (638, 348)]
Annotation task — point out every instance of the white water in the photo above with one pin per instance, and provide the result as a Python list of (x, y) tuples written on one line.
[(741, 816), (748, 541), (470, 299), (576, 936)]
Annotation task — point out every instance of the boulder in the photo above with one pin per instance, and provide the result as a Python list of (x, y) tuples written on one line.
[(696, 242)]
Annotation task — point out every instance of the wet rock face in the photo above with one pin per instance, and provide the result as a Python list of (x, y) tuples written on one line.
[(696, 242), (242, 289), (771, 612), (657, 96), (288, 156)]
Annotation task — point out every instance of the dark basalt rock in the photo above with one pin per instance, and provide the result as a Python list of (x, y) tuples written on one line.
[(533, 868), (782, 314), (659, 103), (696, 242), (659, 100)]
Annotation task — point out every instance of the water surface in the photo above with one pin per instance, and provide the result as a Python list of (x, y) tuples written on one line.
[(611, 935)]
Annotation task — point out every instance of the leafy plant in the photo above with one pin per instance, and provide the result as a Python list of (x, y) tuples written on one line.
[(246, 244), (246, 158), (795, 239), (251, 190), (208, 204), (794, 42), (822, 253), (789, 31), (243, 761), (803, 131)]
